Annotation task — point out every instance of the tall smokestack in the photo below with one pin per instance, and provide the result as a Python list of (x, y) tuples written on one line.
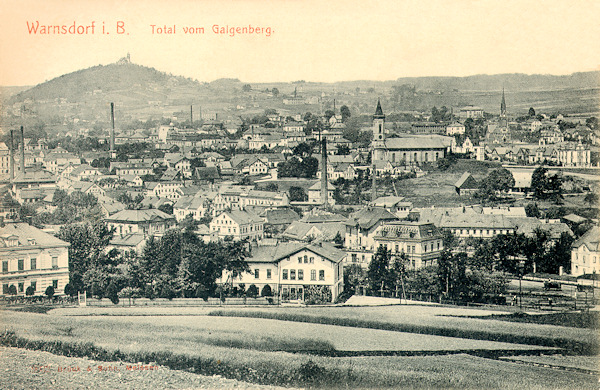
[(324, 189), (374, 177), (112, 131), (22, 151), (191, 116), (11, 162)]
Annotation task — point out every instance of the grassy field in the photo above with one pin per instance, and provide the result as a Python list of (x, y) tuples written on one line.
[(281, 352)]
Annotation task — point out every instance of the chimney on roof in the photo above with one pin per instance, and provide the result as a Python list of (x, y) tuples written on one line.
[(11, 162), (22, 151)]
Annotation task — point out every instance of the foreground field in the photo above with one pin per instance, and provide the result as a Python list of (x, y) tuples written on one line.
[(260, 350)]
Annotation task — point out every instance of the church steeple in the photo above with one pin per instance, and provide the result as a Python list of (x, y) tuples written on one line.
[(378, 111), (378, 126), (503, 105)]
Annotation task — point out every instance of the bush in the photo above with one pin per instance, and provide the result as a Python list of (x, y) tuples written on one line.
[(252, 291), (97, 290), (317, 295), (266, 291), (69, 290), (29, 291), (49, 292), (202, 292)]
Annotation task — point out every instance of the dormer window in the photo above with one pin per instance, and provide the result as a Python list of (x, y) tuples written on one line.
[(32, 241)]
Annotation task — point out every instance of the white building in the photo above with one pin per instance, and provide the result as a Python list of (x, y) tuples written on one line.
[(32, 258), (585, 253)]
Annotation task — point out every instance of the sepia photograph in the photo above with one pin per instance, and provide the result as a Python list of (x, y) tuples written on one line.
[(300, 194)]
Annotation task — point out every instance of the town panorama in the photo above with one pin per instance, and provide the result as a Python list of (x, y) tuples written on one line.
[(395, 206)]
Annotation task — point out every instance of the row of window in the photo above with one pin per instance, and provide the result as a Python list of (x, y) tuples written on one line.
[(32, 264), (291, 275), (480, 231), (21, 286), (257, 273), (584, 258)]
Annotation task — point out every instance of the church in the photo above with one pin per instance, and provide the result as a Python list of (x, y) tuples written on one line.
[(499, 132), (408, 150)]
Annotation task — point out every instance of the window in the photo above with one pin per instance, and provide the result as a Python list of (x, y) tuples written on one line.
[(5, 289), (55, 283), (21, 287), (268, 274), (285, 274), (34, 285), (256, 273), (5, 266), (305, 259), (54, 262), (20, 265), (299, 259), (292, 274), (313, 274), (321, 275), (396, 248), (300, 274), (312, 260)]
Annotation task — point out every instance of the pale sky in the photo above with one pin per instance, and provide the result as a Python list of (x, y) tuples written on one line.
[(310, 40)]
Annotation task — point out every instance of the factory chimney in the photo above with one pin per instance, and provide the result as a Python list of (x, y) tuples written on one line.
[(191, 117), (22, 152), (11, 162), (324, 189), (112, 130)]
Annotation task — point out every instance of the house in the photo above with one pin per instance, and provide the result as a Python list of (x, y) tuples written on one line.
[(293, 271), (394, 204), (304, 231), (196, 206), (421, 242), (466, 185), (585, 253), (32, 258), (129, 242), (87, 188), (151, 222), (263, 198), (207, 174), (280, 218), (163, 189), (362, 225), (314, 193), (239, 225), (455, 128), (84, 172), (128, 168)]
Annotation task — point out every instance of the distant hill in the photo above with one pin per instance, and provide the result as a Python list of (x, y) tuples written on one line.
[(125, 80), (512, 81)]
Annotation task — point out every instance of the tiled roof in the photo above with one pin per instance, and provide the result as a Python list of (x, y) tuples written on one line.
[(28, 235), (273, 254), (139, 216), (591, 239)]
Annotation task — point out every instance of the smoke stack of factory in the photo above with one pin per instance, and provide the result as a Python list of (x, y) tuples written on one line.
[(112, 130), (11, 162), (324, 189), (22, 152)]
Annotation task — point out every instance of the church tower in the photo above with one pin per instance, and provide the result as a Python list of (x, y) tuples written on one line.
[(378, 127), (503, 118)]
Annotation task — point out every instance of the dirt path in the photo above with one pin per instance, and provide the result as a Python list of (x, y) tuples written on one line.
[(24, 369)]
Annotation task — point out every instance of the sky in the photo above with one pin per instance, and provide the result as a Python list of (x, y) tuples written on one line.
[(309, 40)]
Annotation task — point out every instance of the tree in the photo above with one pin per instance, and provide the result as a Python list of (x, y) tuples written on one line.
[(246, 88), (112, 292), (12, 290), (497, 181), (69, 290), (272, 187), (531, 112), (328, 114), (343, 150), (303, 149), (297, 194), (166, 208), (591, 199), (544, 186), (275, 92), (378, 269), (345, 112), (532, 210)]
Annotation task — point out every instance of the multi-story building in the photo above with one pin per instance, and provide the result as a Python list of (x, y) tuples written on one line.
[(239, 225), (32, 258), (421, 242), (150, 222), (292, 270), (585, 253)]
